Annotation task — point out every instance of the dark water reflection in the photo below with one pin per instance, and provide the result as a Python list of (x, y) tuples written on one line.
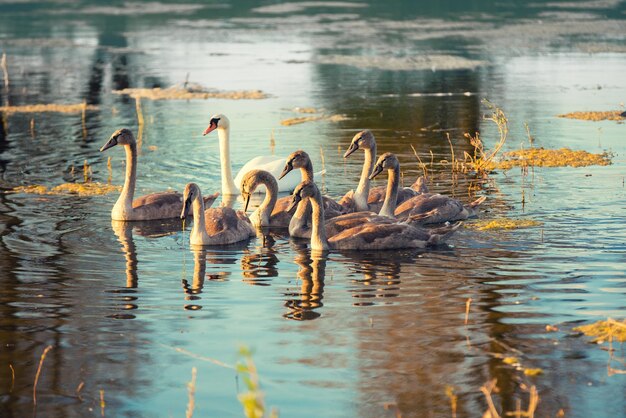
[(129, 308)]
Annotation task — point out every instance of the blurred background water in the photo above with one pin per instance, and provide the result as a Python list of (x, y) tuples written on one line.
[(130, 309)]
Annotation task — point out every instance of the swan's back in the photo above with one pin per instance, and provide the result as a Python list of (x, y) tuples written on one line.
[(226, 226), (439, 208), (274, 166), (161, 205), (389, 236)]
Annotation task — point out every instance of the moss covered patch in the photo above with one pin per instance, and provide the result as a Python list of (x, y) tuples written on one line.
[(540, 157)]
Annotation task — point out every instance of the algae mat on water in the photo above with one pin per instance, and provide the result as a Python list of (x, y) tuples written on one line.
[(540, 157)]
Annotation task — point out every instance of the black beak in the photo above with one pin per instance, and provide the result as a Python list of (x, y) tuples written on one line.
[(186, 206), (376, 171), (110, 143), (247, 202), (294, 202), (286, 170), (353, 147)]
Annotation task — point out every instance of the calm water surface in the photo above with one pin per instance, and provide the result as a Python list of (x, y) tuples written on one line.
[(130, 309)]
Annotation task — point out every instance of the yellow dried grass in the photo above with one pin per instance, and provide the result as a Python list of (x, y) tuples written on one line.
[(80, 189), (540, 157), (595, 116), (503, 223)]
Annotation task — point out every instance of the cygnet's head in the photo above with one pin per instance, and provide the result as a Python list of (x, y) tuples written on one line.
[(363, 140), (387, 161), (120, 137)]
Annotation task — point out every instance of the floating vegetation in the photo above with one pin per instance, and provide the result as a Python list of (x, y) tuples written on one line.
[(311, 110), (602, 331), (533, 372), (51, 107), (80, 189), (596, 116), (540, 157), (190, 92), (409, 63), (510, 360), (609, 330), (297, 121), (302, 6), (305, 110), (502, 223)]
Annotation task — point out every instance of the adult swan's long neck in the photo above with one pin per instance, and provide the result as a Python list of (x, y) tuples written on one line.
[(363, 189), (124, 204), (228, 184), (391, 195), (319, 241)]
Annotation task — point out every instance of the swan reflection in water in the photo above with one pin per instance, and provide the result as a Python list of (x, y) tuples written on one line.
[(124, 232), (311, 274), (258, 264), (203, 255)]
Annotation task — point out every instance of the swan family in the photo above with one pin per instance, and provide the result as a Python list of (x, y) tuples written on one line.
[(387, 217)]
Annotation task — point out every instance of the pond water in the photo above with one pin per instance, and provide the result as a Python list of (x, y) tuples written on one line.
[(130, 309)]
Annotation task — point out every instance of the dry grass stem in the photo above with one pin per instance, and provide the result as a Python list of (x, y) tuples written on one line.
[(12, 378), (487, 389), (78, 389), (191, 389), (110, 170), (468, 302), (272, 142), (32, 128), (421, 164), (43, 357), (453, 399), (84, 120), (102, 403), (140, 121), (5, 70)]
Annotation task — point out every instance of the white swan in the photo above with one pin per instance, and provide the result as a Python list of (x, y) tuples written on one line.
[(145, 208), (272, 164)]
